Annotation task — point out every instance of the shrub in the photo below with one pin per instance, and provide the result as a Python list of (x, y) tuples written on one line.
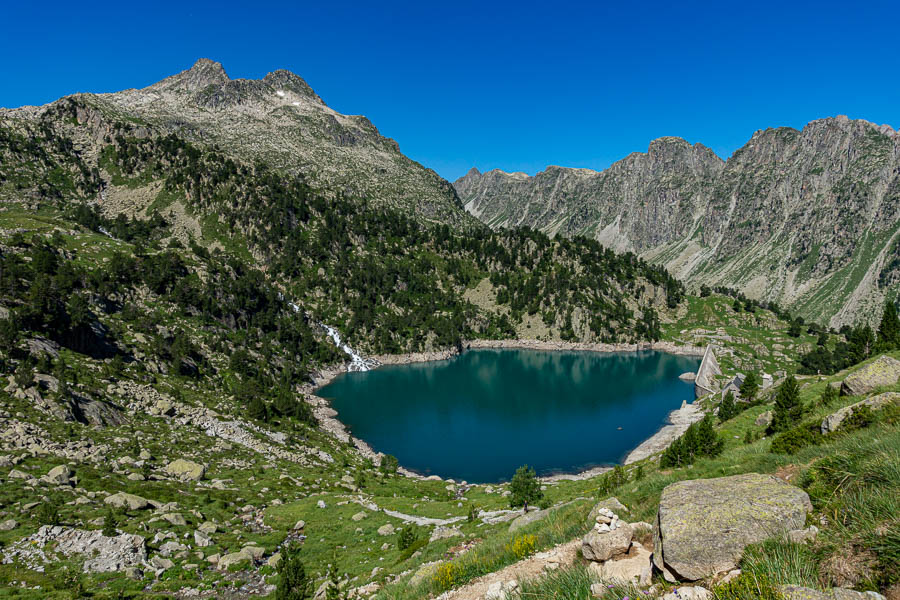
[(747, 587), (829, 395), (47, 514), (861, 416), (789, 442), (522, 546), (406, 538), (447, 575)]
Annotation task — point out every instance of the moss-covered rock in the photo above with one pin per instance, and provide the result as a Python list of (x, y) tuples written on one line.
[(881, 372), (703, 525)]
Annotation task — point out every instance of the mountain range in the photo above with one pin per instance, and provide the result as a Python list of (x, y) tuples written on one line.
[(808, 219)]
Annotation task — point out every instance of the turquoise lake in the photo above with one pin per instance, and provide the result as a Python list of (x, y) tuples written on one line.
[(480, 415)]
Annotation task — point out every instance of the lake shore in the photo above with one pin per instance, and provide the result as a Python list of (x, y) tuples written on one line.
[(679, 419)]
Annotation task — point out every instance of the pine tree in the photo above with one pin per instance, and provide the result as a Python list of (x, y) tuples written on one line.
[(750, 386), (257, 409), (889, 329), (727, 409), (788, 409), (708, 441), (389, 464), (524, 488), (672, 456), (293, 583), (109, 524)]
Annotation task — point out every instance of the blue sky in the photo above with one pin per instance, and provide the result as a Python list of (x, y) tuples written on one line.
[(510, 85)]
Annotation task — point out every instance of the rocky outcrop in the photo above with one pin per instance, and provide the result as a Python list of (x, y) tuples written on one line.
[(104, 554), (744, 223), (703, 525), (881, 372), (833, 421)]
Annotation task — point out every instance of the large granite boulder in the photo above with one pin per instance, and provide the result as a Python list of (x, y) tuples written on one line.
[(703, 525), (186, 470), (124, 499), (883, 371), (601, 546), (833, 421)]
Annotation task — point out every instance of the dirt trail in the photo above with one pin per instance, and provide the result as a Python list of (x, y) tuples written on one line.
[(558, 557)]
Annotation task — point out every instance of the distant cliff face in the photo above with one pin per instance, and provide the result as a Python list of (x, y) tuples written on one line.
[(807, 218)]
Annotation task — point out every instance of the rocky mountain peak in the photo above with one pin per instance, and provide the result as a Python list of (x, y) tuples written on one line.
[(284, 80), (204, 73)]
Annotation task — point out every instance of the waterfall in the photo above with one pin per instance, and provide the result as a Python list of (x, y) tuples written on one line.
[(357, 362)]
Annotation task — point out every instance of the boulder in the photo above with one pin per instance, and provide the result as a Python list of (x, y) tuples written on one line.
[(163, 408), (795, 592), (232, 559), (359, 516), (633, 568), (186, 470), (528, 518), (202, 539), (160, 563), (208, 528), (59, 475), (703, 525), (8, 525), (764, 420), (254, 552), (174, 519), (833, 421), (883, 371), (386, 529), (123, 499), (599, 546)]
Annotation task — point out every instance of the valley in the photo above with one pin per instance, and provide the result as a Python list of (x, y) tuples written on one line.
[(183, 267)]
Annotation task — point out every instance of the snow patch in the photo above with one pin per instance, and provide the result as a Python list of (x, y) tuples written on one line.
[(280, 94)]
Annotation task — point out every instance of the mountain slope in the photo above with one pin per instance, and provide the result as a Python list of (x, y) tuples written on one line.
[(806, 218), (280, 121)]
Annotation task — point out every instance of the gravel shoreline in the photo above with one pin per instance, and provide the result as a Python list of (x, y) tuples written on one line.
[(679, 420)]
